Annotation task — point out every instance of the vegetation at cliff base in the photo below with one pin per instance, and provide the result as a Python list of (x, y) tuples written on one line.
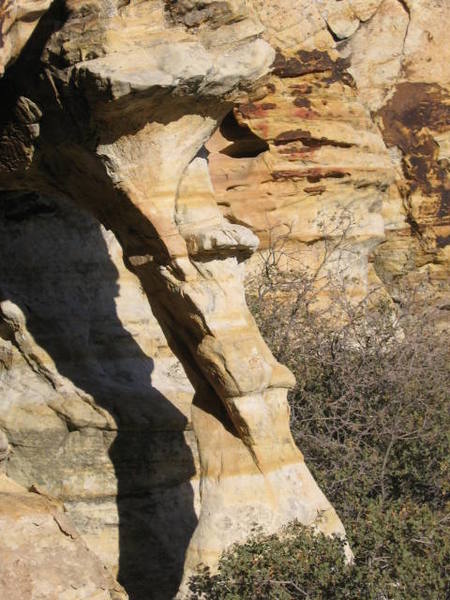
[(370, 412)]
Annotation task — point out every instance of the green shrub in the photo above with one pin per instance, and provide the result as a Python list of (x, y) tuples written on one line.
[(370, 412), (401, 553)]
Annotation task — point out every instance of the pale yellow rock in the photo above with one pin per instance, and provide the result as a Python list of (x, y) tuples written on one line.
[(41, 554), (118, 362), (292, 25), (192, 132), (340, 17), (365, 9), (377, 52), (18, 19), (400, 61), (154, 98)]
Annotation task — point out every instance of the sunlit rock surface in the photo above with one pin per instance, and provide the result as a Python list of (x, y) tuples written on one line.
[(42, 555), (146, 149)]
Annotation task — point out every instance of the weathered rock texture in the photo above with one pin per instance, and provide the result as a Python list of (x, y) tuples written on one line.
[(18, 19), (96, 407), (324, 169), (42, 557), (353, 137), (191, 131), (408, 93)]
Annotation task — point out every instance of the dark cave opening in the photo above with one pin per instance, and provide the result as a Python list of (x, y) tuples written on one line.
[(243, 142)]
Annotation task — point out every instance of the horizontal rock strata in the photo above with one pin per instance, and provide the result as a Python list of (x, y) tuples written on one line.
[(146, 150)]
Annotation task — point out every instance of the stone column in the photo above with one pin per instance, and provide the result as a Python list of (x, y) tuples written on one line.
[(117, 119), (251, 471)]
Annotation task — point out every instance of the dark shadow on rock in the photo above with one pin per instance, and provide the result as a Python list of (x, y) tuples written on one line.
[(56, 268)]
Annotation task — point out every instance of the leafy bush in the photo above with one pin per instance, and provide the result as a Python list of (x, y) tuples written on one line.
[(401, 553), (371, 414)]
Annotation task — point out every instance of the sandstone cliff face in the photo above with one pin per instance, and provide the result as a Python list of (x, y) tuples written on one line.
[(326, 168), (174, 137), (352, 136), (410, 102), (42, 556), (96, 407)]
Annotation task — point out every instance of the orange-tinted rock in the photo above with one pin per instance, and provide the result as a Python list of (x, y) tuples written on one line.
[(400, 61), (18, 19), (42, 555), (189, 131), (126, 97)]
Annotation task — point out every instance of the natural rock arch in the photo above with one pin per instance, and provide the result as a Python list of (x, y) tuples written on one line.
[(115, 119)]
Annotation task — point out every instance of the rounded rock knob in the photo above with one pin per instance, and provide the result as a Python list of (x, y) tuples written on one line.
[(4, 446)]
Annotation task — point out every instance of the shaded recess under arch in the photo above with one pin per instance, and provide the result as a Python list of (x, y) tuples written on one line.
[(243, 142), (57, 269)]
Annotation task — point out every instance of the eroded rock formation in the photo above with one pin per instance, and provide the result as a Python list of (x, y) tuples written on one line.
[(192, 131), (96, 406), (352, 135), (18, 19), (42, 555)]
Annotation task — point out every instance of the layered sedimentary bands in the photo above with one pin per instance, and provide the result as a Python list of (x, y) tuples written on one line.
[(146, 149)]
